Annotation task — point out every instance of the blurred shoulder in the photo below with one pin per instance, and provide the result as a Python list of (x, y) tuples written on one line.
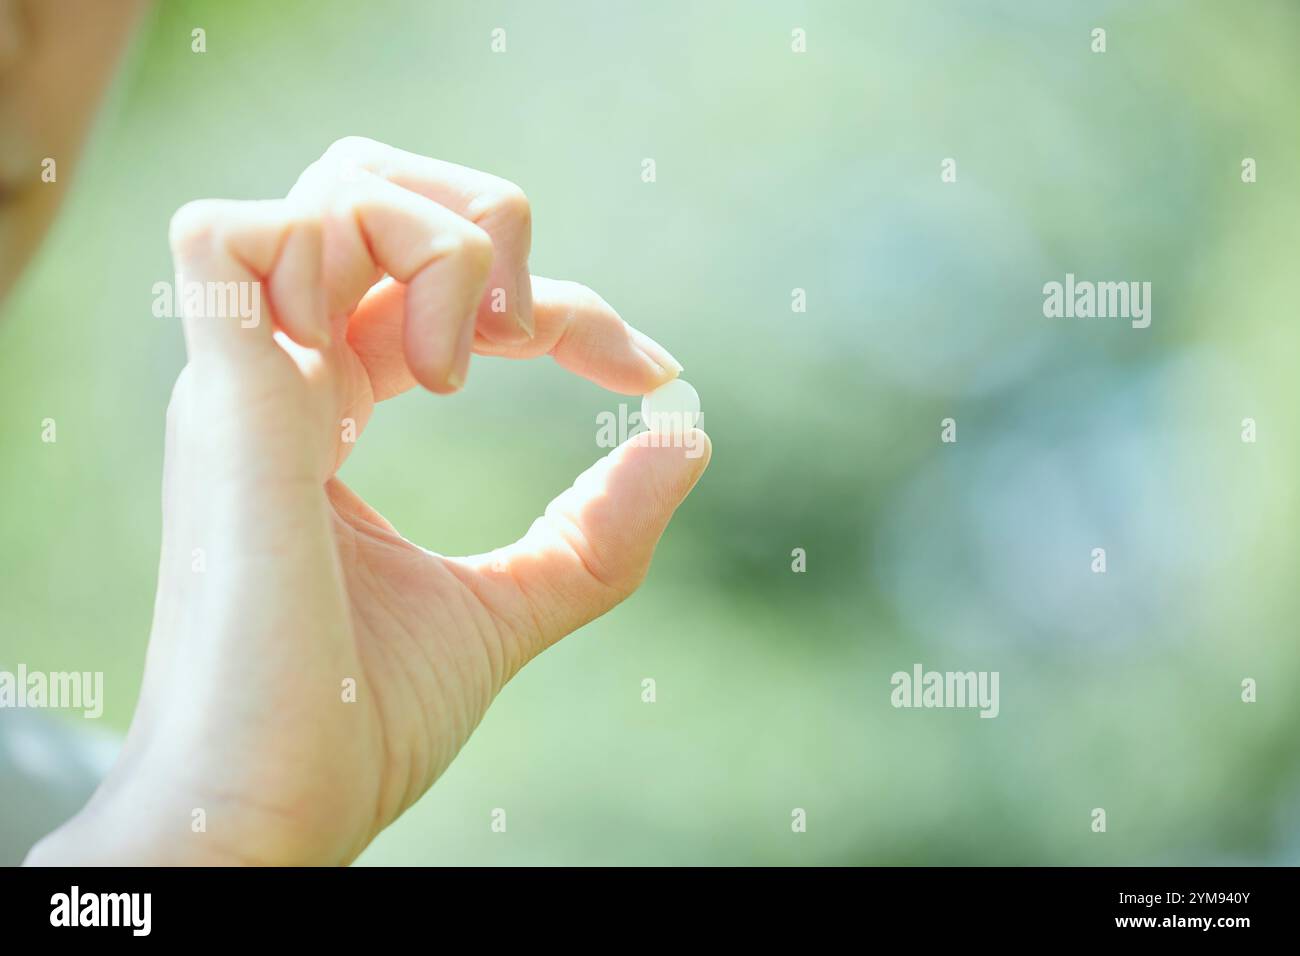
[(50, 767)]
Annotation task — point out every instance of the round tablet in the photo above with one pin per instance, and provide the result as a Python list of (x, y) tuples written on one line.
[(673, 406)]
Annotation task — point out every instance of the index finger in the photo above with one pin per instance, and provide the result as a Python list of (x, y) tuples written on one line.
[(496, 205), (575, 326)]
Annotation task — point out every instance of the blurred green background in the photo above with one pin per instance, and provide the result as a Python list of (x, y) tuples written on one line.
[(775, 171)]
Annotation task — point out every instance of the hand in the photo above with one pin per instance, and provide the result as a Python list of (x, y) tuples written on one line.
[(278, 585)]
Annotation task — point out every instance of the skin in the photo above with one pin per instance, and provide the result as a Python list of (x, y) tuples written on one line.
[(320, 671)]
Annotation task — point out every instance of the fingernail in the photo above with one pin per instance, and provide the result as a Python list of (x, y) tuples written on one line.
[(655, 352), (524, 301)]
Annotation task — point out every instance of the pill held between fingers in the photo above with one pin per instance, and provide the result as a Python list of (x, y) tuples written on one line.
[(673, 406)]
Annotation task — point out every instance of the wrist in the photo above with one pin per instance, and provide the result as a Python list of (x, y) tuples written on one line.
[(113, 831)]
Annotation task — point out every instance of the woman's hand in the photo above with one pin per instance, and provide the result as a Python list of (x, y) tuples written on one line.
[(310, 671)]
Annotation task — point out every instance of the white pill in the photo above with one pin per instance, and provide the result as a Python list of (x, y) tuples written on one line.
[(672, 407)]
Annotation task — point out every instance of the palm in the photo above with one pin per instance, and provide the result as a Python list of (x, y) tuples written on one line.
[(431, 654), (382, 657)]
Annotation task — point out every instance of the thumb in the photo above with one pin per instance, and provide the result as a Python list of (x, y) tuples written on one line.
[(593, 545)]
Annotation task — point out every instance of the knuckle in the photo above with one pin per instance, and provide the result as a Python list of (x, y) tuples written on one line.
[(350, 147), (504, 209), (590, 301), (316, 173), (193, 229), (473, 250), (306, 226), (343, 165), (510, 204)]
